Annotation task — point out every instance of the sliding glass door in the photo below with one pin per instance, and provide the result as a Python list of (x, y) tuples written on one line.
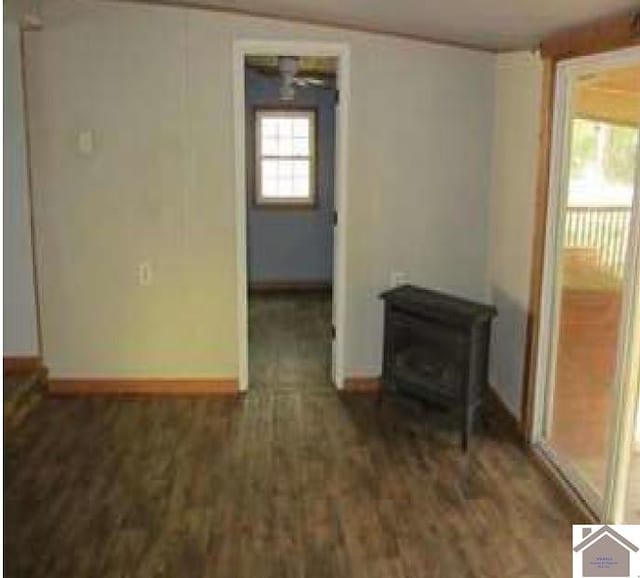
[(626, 503), (624, 489), (590, 278)]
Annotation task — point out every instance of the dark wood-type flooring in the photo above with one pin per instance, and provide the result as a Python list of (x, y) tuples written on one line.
[(290, 341), (283, 481)]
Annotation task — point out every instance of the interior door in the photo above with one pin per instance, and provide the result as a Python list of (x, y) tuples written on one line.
[(589, 269)]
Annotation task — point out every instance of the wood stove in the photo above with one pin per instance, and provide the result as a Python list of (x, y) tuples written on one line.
[(436, 348)]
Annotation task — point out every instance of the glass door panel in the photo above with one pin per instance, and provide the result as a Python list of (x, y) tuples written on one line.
[(592, 245), (628, 467), (632, 505)]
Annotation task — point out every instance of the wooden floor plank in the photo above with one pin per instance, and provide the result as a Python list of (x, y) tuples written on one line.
[(290, 480)]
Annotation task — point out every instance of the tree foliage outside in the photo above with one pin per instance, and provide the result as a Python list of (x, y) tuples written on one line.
[(619, 150), (583, 146), (620, 155)]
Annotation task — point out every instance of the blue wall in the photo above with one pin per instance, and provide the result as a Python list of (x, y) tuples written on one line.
[(286, 244)]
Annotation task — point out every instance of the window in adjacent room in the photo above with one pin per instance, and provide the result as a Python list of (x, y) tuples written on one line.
[(285, 157)]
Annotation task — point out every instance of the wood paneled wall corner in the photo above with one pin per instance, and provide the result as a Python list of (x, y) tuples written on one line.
[(603, 35), (538, 242)]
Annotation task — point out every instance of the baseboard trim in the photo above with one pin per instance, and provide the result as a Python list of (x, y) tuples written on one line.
[(276, 286), (143, 386), (20, 365), (362, 384), (577, 508), (505, 415)]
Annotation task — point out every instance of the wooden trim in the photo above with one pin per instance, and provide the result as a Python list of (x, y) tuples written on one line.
[(143, 386), (537, 254), (617, 108), (20, 365), (319, 22), (297, 286), (603, 35), (504, 414), (575, 506), (362, 384)]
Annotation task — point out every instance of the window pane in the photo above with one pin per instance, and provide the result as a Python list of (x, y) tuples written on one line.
[(301, 127), (269, 169), (269, 145), (301, 169), (286, 127), (269, 127), (285, 187), (285, 145), (285, 169), (301, 188), (301, 178), (269, 187), (285, 136), (300, 147)]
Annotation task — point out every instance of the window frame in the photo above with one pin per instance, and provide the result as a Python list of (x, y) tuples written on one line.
[(310, 202)]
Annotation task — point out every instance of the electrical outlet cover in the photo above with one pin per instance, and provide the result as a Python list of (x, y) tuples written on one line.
[(399, 278)]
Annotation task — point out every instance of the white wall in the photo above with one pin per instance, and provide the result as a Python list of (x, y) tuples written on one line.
[(154, 84), (518, 83), (19, 325)]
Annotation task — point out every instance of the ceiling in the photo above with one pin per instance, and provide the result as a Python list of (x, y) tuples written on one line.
[(312, 65), (625, 79), (488, 24), (611, 96)]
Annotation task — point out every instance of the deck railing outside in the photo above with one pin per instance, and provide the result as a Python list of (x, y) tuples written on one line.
[(605, 230)]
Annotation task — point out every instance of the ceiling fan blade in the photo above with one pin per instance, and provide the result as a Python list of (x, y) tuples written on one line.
[(316, 81), (309, 81), (267, 72)]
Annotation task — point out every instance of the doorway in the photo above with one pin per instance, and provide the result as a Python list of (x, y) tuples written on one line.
[(291, 103), (290, 156), (587, 390)]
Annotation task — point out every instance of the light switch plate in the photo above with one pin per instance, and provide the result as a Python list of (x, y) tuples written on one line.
[(145, 276), (85, 142), (399, 278)]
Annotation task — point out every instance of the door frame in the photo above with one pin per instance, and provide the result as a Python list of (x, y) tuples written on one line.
[(609, 507), (275, 47), (596, 37)]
